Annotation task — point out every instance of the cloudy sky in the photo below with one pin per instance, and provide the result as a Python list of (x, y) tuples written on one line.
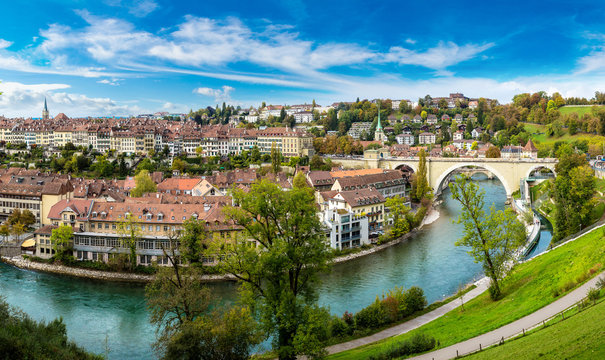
[(121, 57)]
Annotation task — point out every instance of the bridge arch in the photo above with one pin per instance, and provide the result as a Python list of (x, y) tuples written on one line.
[(444, 175), (541, 166)]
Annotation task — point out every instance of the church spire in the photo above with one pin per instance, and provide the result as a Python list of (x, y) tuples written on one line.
[(378, 133), (45, 111), (378, 126)]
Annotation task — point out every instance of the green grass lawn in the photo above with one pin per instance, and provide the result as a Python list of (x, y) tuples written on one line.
[(581, 336), (580, 110), (538, 135), (529, 287)]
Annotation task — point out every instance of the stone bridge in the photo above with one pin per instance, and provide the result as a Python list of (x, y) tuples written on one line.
[(510, 172)]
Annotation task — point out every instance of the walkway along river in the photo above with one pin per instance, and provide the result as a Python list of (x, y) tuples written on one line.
[(97, 312)]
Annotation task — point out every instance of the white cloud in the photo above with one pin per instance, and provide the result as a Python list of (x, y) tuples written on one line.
[(4, 43), (444, 55), (138, 8), (410, 41), (112, 82), (595, 61), (26, 99), (219, 95)]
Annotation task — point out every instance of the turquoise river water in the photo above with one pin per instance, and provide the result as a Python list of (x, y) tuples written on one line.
[(101, 315)]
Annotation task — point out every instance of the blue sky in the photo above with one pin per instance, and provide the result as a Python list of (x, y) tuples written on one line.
[(120, 57)]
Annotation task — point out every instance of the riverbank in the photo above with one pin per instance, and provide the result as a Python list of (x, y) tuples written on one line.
[(93, 274), (22, 263)]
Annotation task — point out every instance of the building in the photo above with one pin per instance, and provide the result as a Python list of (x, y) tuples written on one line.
[(379, 133), (431, 119), (358, 128), (530, 150), (458, 135), (511, 152), (100, 227), (345, 229), (427, 138), (45, 114), (407, 139), (366, 202), (31, 190), (303, 117), (389, 183), (476, 133)]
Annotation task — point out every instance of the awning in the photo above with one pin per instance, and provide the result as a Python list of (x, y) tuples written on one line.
[(29, 243)]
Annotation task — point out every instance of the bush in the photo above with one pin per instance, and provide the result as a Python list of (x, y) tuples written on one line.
[(417, 344), (414, 300), (372, 316), (601, 283), (593, 294), (339, 327)]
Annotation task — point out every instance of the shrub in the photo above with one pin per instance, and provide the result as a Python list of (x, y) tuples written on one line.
[(601, 283), (348, 318), (417, 344), (593, 294), (414, 299), (371, 316), (339, 327)]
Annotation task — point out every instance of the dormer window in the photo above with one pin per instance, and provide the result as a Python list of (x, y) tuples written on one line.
[(160, 216), (149, 216)]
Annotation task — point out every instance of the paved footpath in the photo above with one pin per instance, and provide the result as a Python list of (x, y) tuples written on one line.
[(412, 324), (514, 328)]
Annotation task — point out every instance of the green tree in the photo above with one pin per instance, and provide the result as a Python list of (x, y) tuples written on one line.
[(61, 238), (22, 337), (144, 184), (5, 231), (300, 181), (145, 164), (193, 240), (399, 216), (18, 229), (279, 277), (14, 217), (129, 231), (474, 145), (102, 167), (179, 165), (492, 238), (275, 158), (422, 184)]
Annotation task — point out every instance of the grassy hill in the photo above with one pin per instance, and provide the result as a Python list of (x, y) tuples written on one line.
[(538, 135), (578, 337), (527, 288), (580, 110)]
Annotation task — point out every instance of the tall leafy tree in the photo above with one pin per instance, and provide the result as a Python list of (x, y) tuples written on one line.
[(492, 238), (399, 216), (422, 184), (144, 184), (61, 237), (130, 233), (279, 276), (275, 158)]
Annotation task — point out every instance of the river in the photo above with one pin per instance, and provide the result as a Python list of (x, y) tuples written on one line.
[(101, 315)]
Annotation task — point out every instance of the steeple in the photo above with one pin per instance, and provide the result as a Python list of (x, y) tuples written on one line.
[(378, 133), (45, 111)]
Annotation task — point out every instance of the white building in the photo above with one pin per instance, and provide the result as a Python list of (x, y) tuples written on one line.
[(303, 117), (345, 229), (427, 138), (407, 139)]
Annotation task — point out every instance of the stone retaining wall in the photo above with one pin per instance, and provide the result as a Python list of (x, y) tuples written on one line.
[(93, 274)]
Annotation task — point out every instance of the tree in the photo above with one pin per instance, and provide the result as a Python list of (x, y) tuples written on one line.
[(130, 233), (300, 181), (422, 184), (493, 238), (144, 184), (275, 158), (18, 229), (179, 165), (474, 145), (492, 152), (221, 335), (280, 275), (102, 167), (193, 240), (5, 231), (423, 114), (61, 237), (44, 340), (398, 216), (145, 164), (14, 217)]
